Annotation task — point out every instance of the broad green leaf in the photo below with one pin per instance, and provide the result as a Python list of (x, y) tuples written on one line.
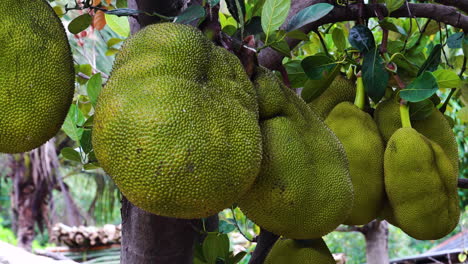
[(237, 9), (281, 47), (309, 15), (374, 75), (393, 5), (455, 41), (339, 39), (91, 166), (432, 61), (388, 24), (447, 79), (361, 38), (215, 245), (296, 74), (465, 46), (123, 12), (70, 154), (74, 119), (238, 257), (274, 14), (121, 3), (80, 23), (431, 28), (314, 88), (230, 30), (190, 14), (462, 114), (85, 141), (86, 69), (297, 34), (404, 64), (464, 92), (316, 67), (94, 87), (254, 26), (89, 122), (198, 253), (423, 87), (113, 41), (421, 110), (225, 227), (118, 24), (111, 52)]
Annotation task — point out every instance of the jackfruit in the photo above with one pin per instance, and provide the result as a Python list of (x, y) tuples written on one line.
[(36, 74), (298, 252), (304, 167), (364, 148), (341, 90), (435, 127), (176, 126), (421, 185)]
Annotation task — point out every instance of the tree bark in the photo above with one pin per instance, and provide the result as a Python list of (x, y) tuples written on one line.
[(376, 235)]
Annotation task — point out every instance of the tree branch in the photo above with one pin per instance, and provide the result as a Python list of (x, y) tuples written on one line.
[(463, 183), (265, 241)]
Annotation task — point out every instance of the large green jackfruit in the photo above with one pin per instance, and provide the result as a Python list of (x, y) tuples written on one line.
[(176, 126), (288, 251), (421, 185), (364, 148), (340, 90), (435, 127), (303, 190), (36, 74)]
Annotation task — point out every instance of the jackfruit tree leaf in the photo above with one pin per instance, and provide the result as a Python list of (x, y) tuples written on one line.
[(85, 141), (198, 253), (309, 15), (393, 5), (316, 67), (254, 26), (215, 245), (89, 122), (225, 227), (71, 154), (386, 23), (190, 14), (80, 23), (314, 88), (281, 47), (423, 87), (113, 41), (462, 114), (119, 25), (91, 166), (213, 2), (274, 14), (361, 38), (404, 64), (421, 110), (297, 34), (447, 79), (111, 52), (121, 4), (296, 74), (339, 39), (455, 41), (432, 61), (124, 12), (374, 75), (70, 126), (92, 158), (238, 257), (94, 88), (236, 9)]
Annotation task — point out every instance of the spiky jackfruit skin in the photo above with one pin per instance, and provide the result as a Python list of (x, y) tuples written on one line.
[(176, 126), (435, 127), (364, 148), (36, 74), (294, 252), (421, 185), (340, 90), (304, 167)]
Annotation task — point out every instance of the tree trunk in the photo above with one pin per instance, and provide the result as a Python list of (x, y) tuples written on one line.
[(376, 235)]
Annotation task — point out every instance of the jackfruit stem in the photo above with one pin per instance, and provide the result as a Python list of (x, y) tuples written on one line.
[(359, 100), (404, 115)]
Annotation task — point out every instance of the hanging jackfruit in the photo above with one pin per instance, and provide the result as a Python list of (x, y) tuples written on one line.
[(421, 185), (340, 90), (300, 252), (364, 148), (176, 126), (304, 167), (36, 74)]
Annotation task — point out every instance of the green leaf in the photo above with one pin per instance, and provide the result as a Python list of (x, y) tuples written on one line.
[(423, 87), (447, 79), (316, 67), (274, 14), (89, 122), (462, 114), (374, 75), (339, 39), (121, 4), (281, 47), (215, 245), (236, 9), (190, 14), (123, 12), (91, 166), (297, 34), (309, 15), (421, 110), (113, 41), (433, 61), (296, 74), (230, 30), (111, 52), (71, 154), (80, 23), (94, 88), (213, 2), (393, 5), (314, 88), (455, 41), (361, 38), (386, 23), (238, 257), (118, 24), (403, 63), (225, 227), (70, 126), (85, 141), (254, 26)]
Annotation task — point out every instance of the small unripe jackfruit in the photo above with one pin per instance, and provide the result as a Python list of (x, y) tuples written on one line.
[(304, 167), (421, 185), (288, 251), (36, 74), (176, 126), (364, 148), (340, 90)]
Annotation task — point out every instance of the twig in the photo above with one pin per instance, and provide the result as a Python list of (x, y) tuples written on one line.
[(324, 45)]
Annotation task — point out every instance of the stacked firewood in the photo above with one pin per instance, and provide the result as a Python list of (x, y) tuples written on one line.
[(86, 236)]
